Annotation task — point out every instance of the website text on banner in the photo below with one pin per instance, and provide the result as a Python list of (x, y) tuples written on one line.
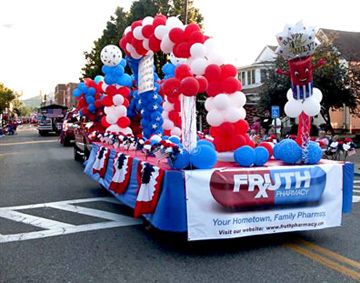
[(229, 203)]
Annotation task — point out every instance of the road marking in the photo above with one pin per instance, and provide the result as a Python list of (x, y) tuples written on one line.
[(9, 153), (356, 199), (57, 228), (28, 142), (326, 257), (356, 181), (357, 191)]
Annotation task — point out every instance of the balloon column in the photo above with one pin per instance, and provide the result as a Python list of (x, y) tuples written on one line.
[(88, 95), (117, 91), (296, 44)]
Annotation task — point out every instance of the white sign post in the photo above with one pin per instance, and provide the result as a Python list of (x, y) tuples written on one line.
[(188, 122)]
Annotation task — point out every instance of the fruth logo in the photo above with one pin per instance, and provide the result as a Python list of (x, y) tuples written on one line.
[(264, 182)]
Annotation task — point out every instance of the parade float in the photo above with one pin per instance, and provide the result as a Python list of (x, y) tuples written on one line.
[(151, 159)]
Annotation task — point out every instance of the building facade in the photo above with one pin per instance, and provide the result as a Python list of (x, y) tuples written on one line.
[(63, 95)]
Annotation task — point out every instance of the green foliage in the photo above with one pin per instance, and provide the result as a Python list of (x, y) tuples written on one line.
[(6, 96), (338, 83), (116, 25), (20, 108)]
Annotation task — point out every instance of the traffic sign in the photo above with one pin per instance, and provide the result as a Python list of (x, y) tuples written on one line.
[(275, 111)]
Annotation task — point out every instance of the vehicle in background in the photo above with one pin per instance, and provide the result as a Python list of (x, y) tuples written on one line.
[(71, 121), (51, 119), (85, 135)]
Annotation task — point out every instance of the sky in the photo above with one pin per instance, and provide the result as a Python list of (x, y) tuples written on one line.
[(42, 42)]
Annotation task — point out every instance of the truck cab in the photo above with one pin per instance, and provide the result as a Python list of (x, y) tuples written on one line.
[(50, 119)]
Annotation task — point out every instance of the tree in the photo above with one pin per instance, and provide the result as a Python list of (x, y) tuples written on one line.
[(20, 108), (138, 10), (6, 96), (338, 82)]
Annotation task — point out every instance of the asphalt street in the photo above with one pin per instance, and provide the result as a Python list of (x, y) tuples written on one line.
[(38, 174)]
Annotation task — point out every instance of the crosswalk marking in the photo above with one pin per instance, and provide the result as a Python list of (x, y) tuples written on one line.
[(356, 191), (56, 228)]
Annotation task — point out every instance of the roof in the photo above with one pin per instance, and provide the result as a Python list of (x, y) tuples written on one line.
[(53, 106), (272, 47), (347, 42)]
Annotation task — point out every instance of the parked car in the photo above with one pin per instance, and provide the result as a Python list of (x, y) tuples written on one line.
[(71, 121), (51, 119)]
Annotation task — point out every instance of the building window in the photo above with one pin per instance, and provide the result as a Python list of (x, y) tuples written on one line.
[(249, 77), (253, 76), (263, 75), (243, 78)]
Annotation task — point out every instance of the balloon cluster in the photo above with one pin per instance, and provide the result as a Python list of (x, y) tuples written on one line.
[(247, 156), (88, 95), (290, 152)]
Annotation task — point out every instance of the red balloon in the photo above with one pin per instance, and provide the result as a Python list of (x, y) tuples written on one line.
[(123, 122), (251, 143), (126, 103), (228, 70), (230, 85), (129, 36), (174, 98), (177, 122), (85, 111), (171, 87), (203, 83), (177, 106), (176, 35), (189, 29), (81, 102), (122, 43), (167, 133), (215, 131), (227, 129), (212, 72), (98, 103), (111, 90), (189, 86), (214, 88), (159, 20), (268, 147), (173, 115), (138, 46), (147, 30), (136, 24), (107, 101), (183, 71), (124, 91), (221, 144), (237, 141), (154, 43), (182, 50), (241, 127), (196, 37), (104, 123)]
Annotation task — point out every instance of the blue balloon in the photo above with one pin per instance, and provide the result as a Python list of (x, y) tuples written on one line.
[(118, 70), (290, 151), (182, 160), (76, 92), (89, 99), (91, 91), (165, 137), (203, 157), (174, 139), (109, 79), (314, 153), (105, 69), (123, 63), (82, 86), (277, 150), (206, 142), (91, 108), (125, 80), (245, 156), (261, 156), (98, 79)]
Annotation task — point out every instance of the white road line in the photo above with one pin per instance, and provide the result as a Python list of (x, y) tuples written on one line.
[(58, 232), (356, 199), (356, 181), (358, 191), (91, 212), (33, 220)]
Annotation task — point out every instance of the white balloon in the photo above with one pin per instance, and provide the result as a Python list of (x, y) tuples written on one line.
[(174, 22), (216, 58), (222, 101), (160, 31), (147, 21), (128, 29), (242, 112), (129, 48), (197, 50), (111, 118), (210, 45), (138, 33), (113, 129), (118, 99), (145, 44), (233, 114), (168, 124), (176, 131), (126, 131), (317, 94), (135, 55), (104, 86), (111, 55), (293, 108), (311, 106), (165, 114), (238, 99), (215, 118), (166, 44), (198, 66), (176, 61), (121, 111), (108, 109), (289, 94), (209, 104), (168, 106)]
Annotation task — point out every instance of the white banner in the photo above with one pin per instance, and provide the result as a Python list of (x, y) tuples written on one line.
[(146, 74), (238, 202)]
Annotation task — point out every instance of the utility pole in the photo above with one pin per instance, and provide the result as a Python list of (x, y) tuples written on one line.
[(185, 12)]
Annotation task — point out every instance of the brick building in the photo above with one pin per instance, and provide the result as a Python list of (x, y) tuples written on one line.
[(63, 95)]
